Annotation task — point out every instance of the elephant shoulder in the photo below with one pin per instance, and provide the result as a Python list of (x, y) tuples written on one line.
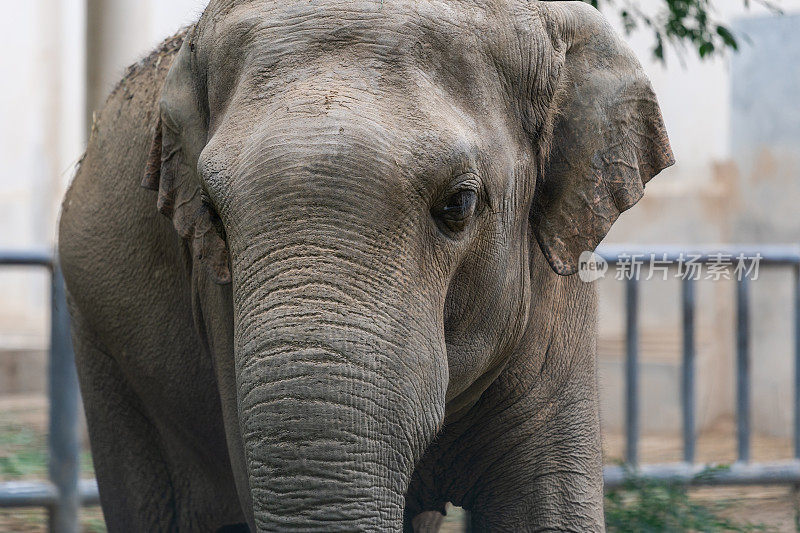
[(110, 230), (122, 129), (131, 109)]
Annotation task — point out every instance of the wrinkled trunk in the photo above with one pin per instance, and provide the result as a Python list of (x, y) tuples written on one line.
[(339, 391)]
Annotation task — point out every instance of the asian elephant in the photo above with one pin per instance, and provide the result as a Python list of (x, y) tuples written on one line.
[(319, 257)]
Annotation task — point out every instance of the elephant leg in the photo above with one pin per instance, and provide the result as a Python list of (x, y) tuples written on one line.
[(529, 458), (133, 476), (544, 471), (147, 480)]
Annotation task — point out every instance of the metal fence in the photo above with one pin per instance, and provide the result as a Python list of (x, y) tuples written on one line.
[(742, 472), (65, 492)]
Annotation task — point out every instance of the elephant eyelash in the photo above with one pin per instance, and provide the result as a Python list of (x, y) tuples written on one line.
[(206, 200), (216, 221)]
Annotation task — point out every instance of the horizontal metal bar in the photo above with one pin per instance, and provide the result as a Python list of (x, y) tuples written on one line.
[(43, 493), (28, 494), (775, 473), (772, 254), (769, 254), (34, 257)]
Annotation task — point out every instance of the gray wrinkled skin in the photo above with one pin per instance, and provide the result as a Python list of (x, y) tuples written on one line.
[(284, 332)]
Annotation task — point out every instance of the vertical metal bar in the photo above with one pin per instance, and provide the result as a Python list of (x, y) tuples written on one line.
[(743, 368), (797, 361), (688, 370), (64, 405), (632, 372)]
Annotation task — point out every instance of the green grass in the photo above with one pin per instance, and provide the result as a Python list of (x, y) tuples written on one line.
[(94, 524), (648, 506), (23, 454)]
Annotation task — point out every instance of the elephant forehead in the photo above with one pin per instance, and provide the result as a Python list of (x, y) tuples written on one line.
[(337, 133), (383, 22), (276, 37), (401, 90)]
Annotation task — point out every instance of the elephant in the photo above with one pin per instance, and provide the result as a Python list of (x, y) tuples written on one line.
[(319, 257)]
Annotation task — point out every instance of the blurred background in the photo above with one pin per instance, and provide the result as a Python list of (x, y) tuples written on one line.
[(734, 122)]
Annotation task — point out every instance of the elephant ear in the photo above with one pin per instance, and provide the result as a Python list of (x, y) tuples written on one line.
[(608, 137), (179, 138)]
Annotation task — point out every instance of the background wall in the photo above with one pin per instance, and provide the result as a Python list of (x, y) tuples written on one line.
[(59, 58), (44, 118), (733, 123)]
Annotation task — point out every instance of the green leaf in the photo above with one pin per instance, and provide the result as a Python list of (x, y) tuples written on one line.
[(680, 23), (643, 505), (727, 37)]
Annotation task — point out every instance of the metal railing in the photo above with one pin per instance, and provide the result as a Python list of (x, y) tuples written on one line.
[(65, 492), (742, 471)]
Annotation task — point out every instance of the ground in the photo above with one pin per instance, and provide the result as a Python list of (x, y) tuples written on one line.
[(23, 455), (23, 424), (772, 508)]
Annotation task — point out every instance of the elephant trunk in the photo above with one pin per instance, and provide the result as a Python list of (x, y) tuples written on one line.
[(337, 395)]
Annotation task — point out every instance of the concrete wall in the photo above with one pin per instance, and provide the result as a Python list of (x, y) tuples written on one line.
[(121, 31), (765, 144), (733, 125), (43, 119), (41, 116)]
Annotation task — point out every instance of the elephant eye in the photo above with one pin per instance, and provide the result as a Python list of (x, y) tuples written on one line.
[(457, 210), (460, 206)]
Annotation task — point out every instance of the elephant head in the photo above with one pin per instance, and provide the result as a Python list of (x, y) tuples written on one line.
[(370, 177)]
